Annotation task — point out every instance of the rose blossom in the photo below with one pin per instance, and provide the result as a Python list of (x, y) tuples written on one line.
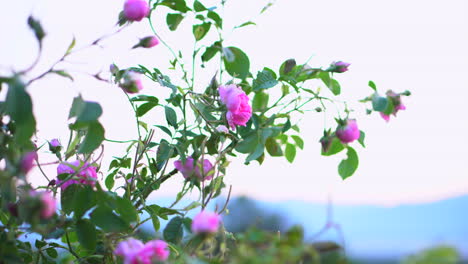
[(136, 10), (237, 104), (87, 174), (349, 132), (134, 251), (188, 169), (206, 222), (27, 162), (48, 203), (339, 66)]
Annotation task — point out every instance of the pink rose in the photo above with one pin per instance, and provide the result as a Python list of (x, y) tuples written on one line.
[(27, 162), (48, 203), (87, 174), (129, 250), (188, 169), (339, 67), (237, 104), (131, 82), (136, 10), (206, 222), (153, 250), (348, 132)]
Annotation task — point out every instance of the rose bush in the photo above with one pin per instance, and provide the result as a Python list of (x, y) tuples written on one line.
[(100, 220)]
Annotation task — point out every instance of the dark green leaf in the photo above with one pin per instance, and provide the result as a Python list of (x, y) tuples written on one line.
[(258, 151), (174, 231), (93, 139), (78, 199), (144, 108), (348, 166), (171, 116), (265, 79), (104, 218), (216, 18), (35, 25), (178, 5), (52, 252), (211, 51), (110, 179), (165, 129), (126, 209), (200, 31), (163, 153), (390, 107), (86, 232), (198, 7), (236, 62), (248, 144), (145, 98), (173, 21)]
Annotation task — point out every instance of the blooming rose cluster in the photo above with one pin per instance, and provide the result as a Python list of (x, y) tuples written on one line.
[(206, 222), (86, 173), (348, 132), (133, 251), (237, 104), (202, 170)]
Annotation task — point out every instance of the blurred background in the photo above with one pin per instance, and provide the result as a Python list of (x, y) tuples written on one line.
[(410, 190)]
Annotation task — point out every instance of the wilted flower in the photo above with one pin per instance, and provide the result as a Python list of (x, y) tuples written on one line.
[(87, 173), (203, 170), (237, 104), (206, 222), (136, 10), (27, 162), (348, 131)]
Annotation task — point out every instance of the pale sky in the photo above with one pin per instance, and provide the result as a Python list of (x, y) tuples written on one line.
[(416, 45)]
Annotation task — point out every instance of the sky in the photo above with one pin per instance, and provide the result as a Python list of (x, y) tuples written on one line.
[(401, 45)]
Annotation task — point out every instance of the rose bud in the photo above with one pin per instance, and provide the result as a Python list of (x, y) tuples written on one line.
[(131, 82), (348, 131), (147, 42), (339, 67)]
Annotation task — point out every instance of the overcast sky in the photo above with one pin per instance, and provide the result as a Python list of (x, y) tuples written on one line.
[(415, 45)]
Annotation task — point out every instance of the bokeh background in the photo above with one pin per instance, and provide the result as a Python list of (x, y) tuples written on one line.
[(410, 190)]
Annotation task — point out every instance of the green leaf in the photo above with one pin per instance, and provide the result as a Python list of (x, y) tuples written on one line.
[(248, 144), (109, 182), (290, 152), (335, 147), (171, 116), (273, 148), (258, 151), (265, 79), (173, 20), (390, 107), (362, 136), (78, 199), (260, 101), (164, 129), (36, 26), (299, 141), (156, 223), (348, 166), (200, 31), (52, 252), (126, 210), (18, 105), (145, 98), (178, 5), (104, 218), (216, 18), (211, 51), (372, 85), (198, 7), (163, 153), (174, 231), (335, 87), (93, 139), (236, 62), (379, 103), (91, 112), (71, 46), (63, 74), (144, 108), (248, 23), (87, 235)]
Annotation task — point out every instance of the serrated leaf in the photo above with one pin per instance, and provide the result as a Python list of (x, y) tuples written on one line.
[(348, 166), (236, 62), (265, 79)]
